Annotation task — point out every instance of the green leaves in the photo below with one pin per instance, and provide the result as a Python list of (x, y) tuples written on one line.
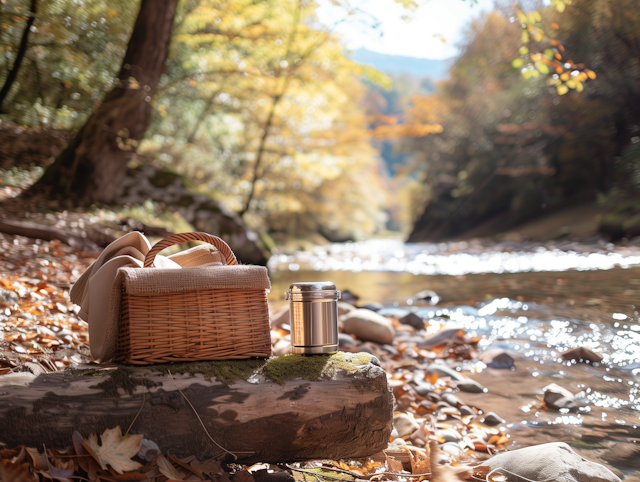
[(517, 63)]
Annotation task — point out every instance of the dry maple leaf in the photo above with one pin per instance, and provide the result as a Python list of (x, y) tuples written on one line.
[(115, 450), (168, 470), (445, 473)]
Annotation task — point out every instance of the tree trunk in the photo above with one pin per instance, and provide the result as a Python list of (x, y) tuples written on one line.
[(94, 163), (22, 50), (345, 413)]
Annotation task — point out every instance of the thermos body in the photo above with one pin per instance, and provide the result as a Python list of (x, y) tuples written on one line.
[(313, 316)]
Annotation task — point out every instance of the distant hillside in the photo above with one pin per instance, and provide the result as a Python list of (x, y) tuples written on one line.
[(397, 64)]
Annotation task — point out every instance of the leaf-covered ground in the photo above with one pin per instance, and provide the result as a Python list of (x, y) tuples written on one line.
[(40, 332)]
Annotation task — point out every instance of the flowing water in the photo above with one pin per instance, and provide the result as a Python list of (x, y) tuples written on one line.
[(533, 300)]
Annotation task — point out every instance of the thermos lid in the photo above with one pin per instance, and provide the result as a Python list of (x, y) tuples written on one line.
[(312, 290)]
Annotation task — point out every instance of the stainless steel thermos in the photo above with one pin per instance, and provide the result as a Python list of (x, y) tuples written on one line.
[(313, 316)]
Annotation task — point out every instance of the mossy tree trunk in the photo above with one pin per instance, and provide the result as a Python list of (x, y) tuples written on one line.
[(94, 163), (292, 408)]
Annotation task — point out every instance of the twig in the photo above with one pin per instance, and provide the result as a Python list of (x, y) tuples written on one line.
[(235, 457), (136, 417), (357, 476)]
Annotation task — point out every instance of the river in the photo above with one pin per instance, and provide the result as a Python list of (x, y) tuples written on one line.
[(534, 300)]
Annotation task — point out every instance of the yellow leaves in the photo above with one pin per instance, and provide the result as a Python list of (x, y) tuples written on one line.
[(517, 63), (387, 132), (112, 12), (522, 17), (523, 50), (562, 89), (564, 77), (116, 450), (543, 68), (591, 74)]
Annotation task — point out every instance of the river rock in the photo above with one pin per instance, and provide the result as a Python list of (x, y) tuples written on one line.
[(283, 346), (492, 419), (449, 435), (372, 306), (624, 455), (582, 355), (557, 397), (551, 461), (466, 410), (8, 297), (429, 296), (405, 424), (451, 448), (279, 318), (470, 386), (345, 308), (412, 320), (447, 335), (368, 325), (452, 400), (463, 383), (348, 297), (496, 358), (347, 343)]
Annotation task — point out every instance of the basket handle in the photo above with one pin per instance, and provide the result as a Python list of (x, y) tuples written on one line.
[(174, 239)]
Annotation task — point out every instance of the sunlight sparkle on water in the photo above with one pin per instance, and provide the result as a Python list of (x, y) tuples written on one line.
[(446, 258)]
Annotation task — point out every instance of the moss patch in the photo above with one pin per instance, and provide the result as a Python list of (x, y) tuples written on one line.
[(289, 367), (225, 371), (121, 378), (279, 369)]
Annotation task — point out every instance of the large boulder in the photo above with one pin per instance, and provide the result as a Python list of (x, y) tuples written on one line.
[(202, 212), (551, 461), (367, 325)]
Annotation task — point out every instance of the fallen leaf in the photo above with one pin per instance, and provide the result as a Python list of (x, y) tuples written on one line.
[(209, 467), (185, 465), (13, 472), (445, 473), (243, 476), (168, 470), (39, 461), (115, 450)]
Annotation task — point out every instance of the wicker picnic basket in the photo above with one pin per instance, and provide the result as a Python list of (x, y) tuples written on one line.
[(195, 313)]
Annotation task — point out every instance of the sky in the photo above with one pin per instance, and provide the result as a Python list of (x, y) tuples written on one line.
[(420, 36)]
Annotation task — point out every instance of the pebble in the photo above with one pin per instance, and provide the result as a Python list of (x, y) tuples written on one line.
[(279, 318), (405, 424), (492, 419), (466, 410), (449, 435), (345, 308), (557, 397), (442, 337), (372, 306), (451, 448), (429, 296), (8, 297), (412, 320), (469, 385), (496, 358), (391, 350), (283, 347), (367, 325), (451, 399), (348, 297), (582, 355)]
